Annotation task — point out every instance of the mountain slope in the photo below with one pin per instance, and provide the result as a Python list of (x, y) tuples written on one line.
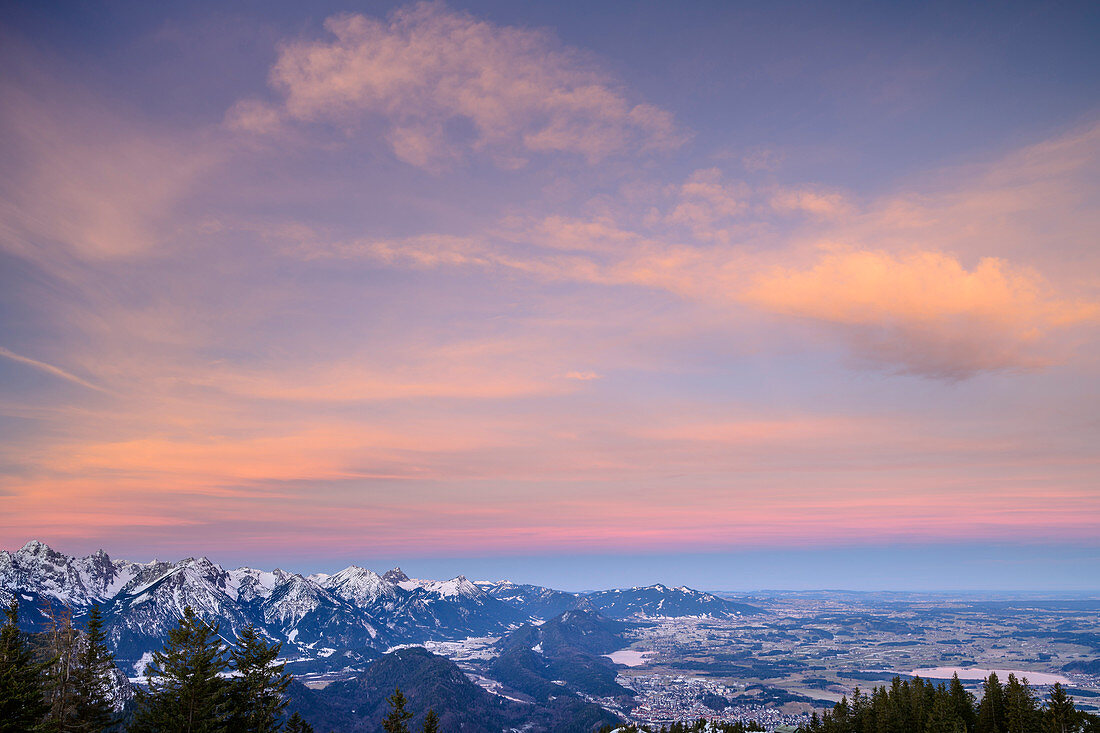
[(433, 682), (562, 657), (427, 680)]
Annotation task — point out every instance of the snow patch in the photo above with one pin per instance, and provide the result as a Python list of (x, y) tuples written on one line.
[(141, 664)]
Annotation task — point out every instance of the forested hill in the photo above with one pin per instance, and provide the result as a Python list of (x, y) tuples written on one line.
[(431, 682), (922, 706)]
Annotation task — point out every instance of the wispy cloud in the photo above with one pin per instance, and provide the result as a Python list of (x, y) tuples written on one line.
[(49, 369), (83, 181), (887, 277)]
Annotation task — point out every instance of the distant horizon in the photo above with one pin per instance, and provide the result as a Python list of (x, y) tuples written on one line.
[(564, 572)]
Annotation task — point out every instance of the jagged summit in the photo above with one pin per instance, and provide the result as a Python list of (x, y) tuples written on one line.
[(359, 585), (397, 575), (34, 548)]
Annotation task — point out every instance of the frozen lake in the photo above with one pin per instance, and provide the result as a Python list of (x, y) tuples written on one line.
[(628, 657), (976, 673)]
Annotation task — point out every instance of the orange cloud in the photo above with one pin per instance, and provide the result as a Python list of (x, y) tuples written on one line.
[(544, 477), (924, 312), (426, 68)]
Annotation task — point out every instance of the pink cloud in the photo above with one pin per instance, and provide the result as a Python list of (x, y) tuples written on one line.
[(706, 204), (253, 116), (426, 67), (815, 202)]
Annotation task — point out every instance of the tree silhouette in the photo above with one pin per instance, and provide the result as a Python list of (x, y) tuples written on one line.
[(186, 693), (398, 718)]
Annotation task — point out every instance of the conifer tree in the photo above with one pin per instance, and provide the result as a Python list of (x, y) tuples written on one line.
[(59, 667), (185, 693), (991, 711), (1021, 710), (22, 706), (92, 679), (431, 723), (397, 720), (962, 704), (256, 694), (942, 717), (295, 724), (1060, 716)]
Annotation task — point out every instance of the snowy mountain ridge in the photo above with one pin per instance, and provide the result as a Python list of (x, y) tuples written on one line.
[(329, 621)]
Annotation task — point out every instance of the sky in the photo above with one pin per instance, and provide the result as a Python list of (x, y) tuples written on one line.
[(741, 295)]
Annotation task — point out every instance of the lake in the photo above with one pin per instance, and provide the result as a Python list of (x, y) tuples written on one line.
[(976, 673)]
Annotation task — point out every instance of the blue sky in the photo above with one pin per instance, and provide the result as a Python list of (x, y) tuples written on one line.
[(804, 293)]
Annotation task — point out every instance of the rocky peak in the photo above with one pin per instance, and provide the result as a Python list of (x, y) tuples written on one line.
[(585, 605), (358, 585), (36, 549), (397, 575)]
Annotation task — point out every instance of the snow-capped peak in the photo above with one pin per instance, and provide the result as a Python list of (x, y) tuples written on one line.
[(247, 584), (358, 585), (292, 599), (37, 549), (455, 587)]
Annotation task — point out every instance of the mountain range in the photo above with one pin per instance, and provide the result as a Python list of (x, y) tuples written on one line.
[(325, 622)]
